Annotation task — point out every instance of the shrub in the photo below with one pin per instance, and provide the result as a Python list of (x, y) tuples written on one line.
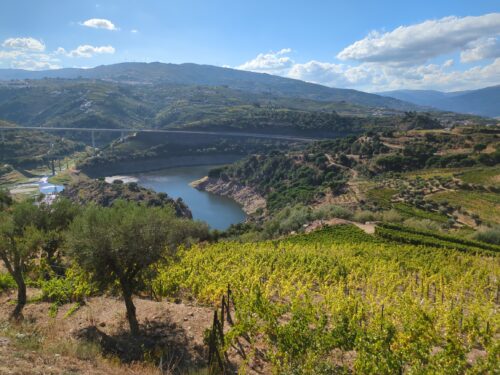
[(364, 216), (216, 172), (133, 186), (287, 220), (425, 224), (6, 282), (490, 235), (392, 216), (73, 287), (5, 199), (332, 211), (296, 219)]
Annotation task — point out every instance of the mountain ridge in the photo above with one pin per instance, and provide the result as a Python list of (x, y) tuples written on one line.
[(483, 102), (209, 75)]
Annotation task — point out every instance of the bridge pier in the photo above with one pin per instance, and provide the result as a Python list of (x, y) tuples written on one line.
[(122, 136), (3, 136), (93, 139)]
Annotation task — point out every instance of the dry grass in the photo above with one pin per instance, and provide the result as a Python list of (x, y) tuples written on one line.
[(484, 204), (45, 345), (27, 349)]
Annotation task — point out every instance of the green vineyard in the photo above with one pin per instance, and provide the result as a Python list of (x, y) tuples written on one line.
[(412, 236), (334, 301)]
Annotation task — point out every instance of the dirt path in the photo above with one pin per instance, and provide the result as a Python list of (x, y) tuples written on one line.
[(353, 182)]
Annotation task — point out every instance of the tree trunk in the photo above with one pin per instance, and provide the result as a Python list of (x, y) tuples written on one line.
[(21, 297), (132, 318)]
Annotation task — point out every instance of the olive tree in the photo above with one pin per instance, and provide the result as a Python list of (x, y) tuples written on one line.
[(5, 199), (52, 220), (19, 242), (120, 243)]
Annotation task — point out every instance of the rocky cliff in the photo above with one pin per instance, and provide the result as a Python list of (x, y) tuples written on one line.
[(244, 195)]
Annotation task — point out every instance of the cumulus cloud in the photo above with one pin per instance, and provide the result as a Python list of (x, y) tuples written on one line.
[(9, 54), (416, 44), (60, 51), (34, 64), (319, 72), (35, 59), (99, 23), (27, 53), (87, 51), (480, 50), (434, 54), (28, 44), (271, 62), (376, 76), (449, 63)]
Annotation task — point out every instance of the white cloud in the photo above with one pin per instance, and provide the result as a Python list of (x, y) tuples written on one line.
[(319, 72), (434, 54), (134, 31), (418, 43), (87, 51), (28, 53), (28, 44), (99, 23), (378, 77), (7, 55), (31, 64), (448, 63), (480, 50), (271, 62), (60, 51)]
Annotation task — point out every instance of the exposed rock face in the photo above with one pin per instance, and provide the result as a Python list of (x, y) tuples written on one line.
[(104, 194), (152, 164), (244, 195)]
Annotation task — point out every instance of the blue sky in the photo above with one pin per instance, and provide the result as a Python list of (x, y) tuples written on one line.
[(369, 45)]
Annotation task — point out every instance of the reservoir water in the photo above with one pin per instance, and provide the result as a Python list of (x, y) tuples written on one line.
[(46, 187), (218, 212)]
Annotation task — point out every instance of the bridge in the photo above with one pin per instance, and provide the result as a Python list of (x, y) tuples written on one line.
[(124, 131)]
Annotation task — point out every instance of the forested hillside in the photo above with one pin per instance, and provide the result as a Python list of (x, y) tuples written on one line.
[(427, 178), (207, 75), (94, 104), (32, 148)]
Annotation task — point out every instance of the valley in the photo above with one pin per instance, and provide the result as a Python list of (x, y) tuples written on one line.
[(217, 211), (242, 223)]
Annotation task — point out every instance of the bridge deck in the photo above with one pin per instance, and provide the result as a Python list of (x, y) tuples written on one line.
[(177, 131)]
